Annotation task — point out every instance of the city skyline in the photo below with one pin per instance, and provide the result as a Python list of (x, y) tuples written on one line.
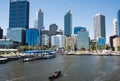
[(82, 12)]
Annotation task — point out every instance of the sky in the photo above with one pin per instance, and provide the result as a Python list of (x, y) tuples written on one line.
[(83, 12)]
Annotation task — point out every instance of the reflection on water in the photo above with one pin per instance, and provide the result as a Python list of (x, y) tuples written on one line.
[(74, 68)]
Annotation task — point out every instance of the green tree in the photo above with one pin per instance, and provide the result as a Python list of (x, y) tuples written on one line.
[(107, 47), (93, 47), (118, 48), (82, 49), (67, 48)]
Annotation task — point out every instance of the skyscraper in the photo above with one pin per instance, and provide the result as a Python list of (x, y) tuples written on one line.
[(115, 26), (99, 26), (39, 21), (118, 21), (68, 24), (19, 14)]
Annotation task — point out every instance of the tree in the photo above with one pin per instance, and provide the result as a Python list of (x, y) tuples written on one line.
[(107, 47), (118, 48), (82, 49), (93, 47), (67, 48), (101, 47)]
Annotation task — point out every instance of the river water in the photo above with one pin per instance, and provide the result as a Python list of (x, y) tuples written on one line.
[(74, 68)]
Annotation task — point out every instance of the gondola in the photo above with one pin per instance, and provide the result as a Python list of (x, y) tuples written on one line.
[(55, 75)]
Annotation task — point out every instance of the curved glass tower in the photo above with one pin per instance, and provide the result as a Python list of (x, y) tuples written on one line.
[(68, 24)]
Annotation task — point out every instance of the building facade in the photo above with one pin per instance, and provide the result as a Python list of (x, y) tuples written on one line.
[(101, 41), (68, 24), (6, 43), (111, 38), (118, 22), (83, 40), (77, 29), (115, 26), (71, 42), (45, 40), (57, 40), (19, 14), (53, 29), (116, 42), (59, 32), (1, 33), (33, 37), (99, 26), (17, 35), (39, 21)]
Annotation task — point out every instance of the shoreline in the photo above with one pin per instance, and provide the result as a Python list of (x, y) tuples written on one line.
[(13, 54), (92, 54)]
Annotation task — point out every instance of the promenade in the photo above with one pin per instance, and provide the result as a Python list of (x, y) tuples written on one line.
[(93, 53)]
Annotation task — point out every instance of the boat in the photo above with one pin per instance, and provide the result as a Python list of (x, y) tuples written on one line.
[(3, 60), (55, 75)]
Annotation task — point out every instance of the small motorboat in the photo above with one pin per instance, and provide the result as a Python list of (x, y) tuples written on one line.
[(55, 75)]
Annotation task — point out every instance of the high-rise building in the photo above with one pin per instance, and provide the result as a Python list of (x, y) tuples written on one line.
[(83, 40), (53, 29), (33, 37), (39, 21), (77, 29), (99, 26), (1, 33), (118, 22), (115, 26), (68, 24), (19, 14)]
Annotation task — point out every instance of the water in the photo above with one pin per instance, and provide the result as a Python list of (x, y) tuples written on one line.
[(74, 68)]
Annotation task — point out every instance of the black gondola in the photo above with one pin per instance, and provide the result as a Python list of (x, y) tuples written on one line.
[(55, 75)]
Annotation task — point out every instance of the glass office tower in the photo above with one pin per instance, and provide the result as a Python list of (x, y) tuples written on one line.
[(99, 26), (19, 14), (39, 21), (68, 24), (118, 23)]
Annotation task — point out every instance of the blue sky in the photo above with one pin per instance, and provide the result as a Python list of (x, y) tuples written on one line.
[(54, 11)]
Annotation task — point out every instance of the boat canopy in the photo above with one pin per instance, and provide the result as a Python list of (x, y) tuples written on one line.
[(39, 52)]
